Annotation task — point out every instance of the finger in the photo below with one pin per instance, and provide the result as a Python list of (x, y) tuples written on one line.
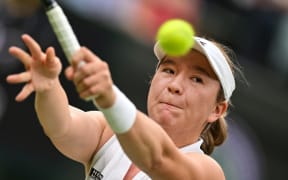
[(92, 92), (89, 93), (93, 86), (96, 67), (87, 82), (84, 54), (69, 73), (51, 58), (19, 78), (23, 56), (84, 72), (92, 67), (33, 46), (81, 64), (78, 77), (77, 57), (89, 56), (81, 74), (50, 52), (25, 92)]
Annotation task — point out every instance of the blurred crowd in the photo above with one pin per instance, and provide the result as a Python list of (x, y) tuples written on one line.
[(123, 32)]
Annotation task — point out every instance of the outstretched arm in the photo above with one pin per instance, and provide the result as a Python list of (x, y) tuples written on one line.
[(74, 132), (152, 150)]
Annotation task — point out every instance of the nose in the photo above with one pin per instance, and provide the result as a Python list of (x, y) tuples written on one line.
[(175, 85)]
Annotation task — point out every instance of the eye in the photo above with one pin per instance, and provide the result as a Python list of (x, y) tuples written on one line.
[(168, 70), (196, 79)]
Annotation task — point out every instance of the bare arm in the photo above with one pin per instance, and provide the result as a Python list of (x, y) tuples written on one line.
[(74, 132), (151, 149)]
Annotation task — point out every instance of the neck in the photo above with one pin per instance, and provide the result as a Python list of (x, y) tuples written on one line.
[(182, 138)]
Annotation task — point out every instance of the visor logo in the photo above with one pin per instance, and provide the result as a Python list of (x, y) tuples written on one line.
[(202, 43)]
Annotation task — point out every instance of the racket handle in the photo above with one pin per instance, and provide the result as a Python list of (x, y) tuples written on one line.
[(62, 30)]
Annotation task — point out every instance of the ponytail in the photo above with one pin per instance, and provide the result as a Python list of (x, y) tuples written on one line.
[(214, 135)]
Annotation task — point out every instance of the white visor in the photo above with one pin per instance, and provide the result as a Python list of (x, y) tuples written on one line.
[(216, 59)]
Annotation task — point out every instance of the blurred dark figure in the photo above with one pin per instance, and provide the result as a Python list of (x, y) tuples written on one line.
[(249, 26)]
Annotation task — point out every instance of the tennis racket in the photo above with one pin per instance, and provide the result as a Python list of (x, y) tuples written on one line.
[(63, 30)]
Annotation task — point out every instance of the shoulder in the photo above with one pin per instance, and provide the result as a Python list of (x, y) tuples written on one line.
[(91, 117), (190, 165), (106, 131), (207, 167), (94, 123)]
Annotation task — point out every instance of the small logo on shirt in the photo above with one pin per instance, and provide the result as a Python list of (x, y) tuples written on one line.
[(94, 174)]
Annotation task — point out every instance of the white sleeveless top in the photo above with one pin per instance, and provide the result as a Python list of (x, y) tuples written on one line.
[(111, 163)]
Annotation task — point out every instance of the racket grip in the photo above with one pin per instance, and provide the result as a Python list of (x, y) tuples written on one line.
[(63, 31)]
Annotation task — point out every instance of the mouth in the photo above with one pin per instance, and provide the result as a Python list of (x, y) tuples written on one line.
[(170, 105)]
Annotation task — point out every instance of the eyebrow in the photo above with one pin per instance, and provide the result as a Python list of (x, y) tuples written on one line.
[(167, 61), (197, 68)]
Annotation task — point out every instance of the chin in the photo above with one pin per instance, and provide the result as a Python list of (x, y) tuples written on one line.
[(165, 119)]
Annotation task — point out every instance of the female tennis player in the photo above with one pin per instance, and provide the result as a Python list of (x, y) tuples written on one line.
[(187, 103)]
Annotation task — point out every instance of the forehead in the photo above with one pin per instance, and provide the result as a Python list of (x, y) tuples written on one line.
[(194, 60)]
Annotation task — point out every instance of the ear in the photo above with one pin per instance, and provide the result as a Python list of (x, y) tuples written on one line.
[(218, 111)]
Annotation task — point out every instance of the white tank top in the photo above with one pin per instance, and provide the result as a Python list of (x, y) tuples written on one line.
[(111, 163)]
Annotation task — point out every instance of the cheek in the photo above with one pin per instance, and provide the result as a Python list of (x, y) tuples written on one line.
[(199, 105), (208, 96), (151, 97), (149, 101)]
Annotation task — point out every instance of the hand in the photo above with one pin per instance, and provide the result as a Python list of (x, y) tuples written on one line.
[(42, 69), (91, 77)]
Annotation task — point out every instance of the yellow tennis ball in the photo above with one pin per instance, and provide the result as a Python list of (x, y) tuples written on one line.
[(176, 37)]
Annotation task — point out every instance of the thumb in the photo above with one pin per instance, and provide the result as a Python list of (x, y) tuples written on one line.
[(50, 58)]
